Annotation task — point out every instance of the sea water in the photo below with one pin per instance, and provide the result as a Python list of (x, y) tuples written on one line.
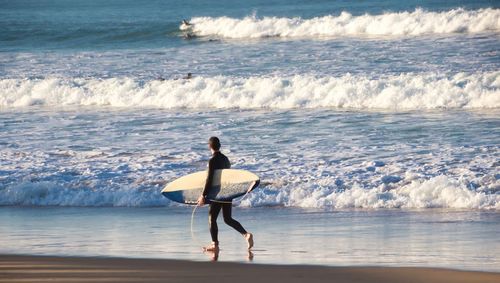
[(388, 107), (431, 238)]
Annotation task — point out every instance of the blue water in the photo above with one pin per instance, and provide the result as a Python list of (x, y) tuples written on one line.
[(121, 24), (433, 238), (390, 109), (396, 103)]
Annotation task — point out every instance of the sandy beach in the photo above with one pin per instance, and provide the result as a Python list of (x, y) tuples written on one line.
[(18, 268)]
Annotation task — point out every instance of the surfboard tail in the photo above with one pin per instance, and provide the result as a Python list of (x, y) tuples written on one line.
[(255, 185)]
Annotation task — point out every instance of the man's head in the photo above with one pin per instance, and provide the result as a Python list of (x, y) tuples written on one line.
[(214, 143)]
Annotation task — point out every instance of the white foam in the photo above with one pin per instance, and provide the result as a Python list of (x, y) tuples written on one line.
[(416, 23), (437, 192), (405, 91), (46, 193)]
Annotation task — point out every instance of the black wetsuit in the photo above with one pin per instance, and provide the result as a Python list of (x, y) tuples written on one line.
[(219, 161)]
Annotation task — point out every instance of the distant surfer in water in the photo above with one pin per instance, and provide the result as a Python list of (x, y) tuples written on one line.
[(219, 161), (185, 25)]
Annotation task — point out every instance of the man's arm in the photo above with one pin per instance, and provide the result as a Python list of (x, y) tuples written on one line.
[(210, 178)]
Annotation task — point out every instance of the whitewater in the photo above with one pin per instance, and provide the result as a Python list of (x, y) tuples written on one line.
[(321, 159), (402, 92), (417, 23), (389, 106)]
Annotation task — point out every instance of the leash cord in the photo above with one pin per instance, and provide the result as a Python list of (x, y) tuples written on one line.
[(193, 236)]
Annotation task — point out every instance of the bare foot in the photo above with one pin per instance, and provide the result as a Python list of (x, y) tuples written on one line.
[(249, 238), (214, 247), (214, 255)]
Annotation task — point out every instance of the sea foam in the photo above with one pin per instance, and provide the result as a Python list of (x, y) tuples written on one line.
[(437, 192), (416, 23), (394, 92)]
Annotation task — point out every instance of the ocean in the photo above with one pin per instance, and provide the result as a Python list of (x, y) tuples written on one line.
[(377, 110)]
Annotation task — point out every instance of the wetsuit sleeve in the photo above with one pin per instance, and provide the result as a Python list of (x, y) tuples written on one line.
[(210, 177)]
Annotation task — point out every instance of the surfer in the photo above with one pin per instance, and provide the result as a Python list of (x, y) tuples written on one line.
[(219, 161), (187, 30), (185, 25)]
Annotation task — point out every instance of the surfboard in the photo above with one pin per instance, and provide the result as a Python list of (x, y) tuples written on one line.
[(227, 185)]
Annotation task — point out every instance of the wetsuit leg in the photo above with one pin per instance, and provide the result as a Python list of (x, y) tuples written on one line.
[(213, 213), (228, 219)]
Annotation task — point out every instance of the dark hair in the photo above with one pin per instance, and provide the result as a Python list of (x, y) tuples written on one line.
[(214, 143)]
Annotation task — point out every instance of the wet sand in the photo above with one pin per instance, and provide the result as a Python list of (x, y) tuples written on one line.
[(16, 268)]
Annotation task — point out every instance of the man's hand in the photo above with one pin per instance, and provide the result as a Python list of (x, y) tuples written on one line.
[(201, 200)]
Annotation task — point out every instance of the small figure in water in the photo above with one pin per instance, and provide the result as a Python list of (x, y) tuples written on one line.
[(188, 77), (219, 161), (185, 25), (189, 35)]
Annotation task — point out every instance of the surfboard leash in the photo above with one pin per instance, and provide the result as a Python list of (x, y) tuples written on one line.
[(193, 236)]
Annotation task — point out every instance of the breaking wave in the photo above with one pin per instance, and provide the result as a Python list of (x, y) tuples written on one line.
[(394, 92), (437, 192), (416, 23)]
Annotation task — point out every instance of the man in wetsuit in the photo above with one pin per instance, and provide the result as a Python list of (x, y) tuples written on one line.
[(219, 161)]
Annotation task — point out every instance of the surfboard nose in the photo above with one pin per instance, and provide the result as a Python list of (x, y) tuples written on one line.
[(174, 196), (255, 184)]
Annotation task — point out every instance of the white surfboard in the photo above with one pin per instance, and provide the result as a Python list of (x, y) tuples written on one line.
[(227, 185)]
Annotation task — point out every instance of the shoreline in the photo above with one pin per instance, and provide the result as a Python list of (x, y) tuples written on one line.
[(29, 268)]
